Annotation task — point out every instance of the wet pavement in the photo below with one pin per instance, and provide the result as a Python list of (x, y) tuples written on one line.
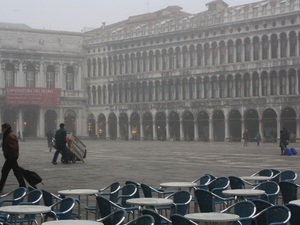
[(150, 162)]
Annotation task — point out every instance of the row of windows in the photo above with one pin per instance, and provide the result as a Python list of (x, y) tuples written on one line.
[(214, 53), (31, 76), (238, 85)]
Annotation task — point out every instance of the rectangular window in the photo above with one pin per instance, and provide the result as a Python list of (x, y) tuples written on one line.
[(9, 78), (30, 79)]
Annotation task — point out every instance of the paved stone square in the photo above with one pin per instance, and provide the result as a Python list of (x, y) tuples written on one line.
[(150, 162)]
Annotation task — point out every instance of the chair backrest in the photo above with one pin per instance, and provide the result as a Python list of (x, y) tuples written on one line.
[(218, 185), (277, 214), (181, 220), (261, 204), (138, 186), (288, 175), (115, 218), (245, 209), (236, 182), (49, 198), (264, 172), (205, 200), (18, 195), (128, 191), (33, 197), (146, 190), (276, 175), (289, 191), (114, 191), (104, 206), (271, 189), (295, 212), (66, 206), (158, 219), (181, 201), (142, 220)]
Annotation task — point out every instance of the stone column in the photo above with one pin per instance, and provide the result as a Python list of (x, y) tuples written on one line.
[(107, 130), (181, 130), (211, 131), (21, 79), (242, 127), (41, 76), (154, 130), (20, 125), (141, 129), (288, 47), (196, 133), (278, 127), (167, 129), (118, 130), (226, 129), (259, 84), (260, 127), (41, 123), (297, 128)]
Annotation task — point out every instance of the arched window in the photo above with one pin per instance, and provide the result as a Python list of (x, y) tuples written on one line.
[(255, 84), (274, 46), (207, 54), (264, 81), (9, 75), (256, 48), (70, 78), (282, 77), (230, 51), (247, 85), (283, 45), (273, 78), (292, 82), (199, 55), (293, 43), (230, 86), (222, 53), (239, 49), (30, 76), (265, 47), (247, 50), (238, 86), (50, 77)]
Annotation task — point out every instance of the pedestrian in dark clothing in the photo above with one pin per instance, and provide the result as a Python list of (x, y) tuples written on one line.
[(60, 143), (10, 147), (284, 140), (246, 137), (49, 136)]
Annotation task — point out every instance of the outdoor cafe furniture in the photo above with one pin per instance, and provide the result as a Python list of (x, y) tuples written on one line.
[(213, 217), (79, 192), (241, 194), (15, 210), (72, 222)]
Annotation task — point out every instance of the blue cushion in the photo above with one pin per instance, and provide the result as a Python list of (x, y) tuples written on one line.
[(288, 151), (293, 150)]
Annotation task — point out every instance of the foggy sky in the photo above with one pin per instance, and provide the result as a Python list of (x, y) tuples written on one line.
[(74, 15)]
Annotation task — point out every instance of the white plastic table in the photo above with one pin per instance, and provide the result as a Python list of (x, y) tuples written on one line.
[(72, 222), (79, 192), (213, 217), (178, 185), (149, 201), (240, 193), (24, 209)]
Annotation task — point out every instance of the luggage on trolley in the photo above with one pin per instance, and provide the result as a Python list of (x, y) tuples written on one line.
[(76, 150)]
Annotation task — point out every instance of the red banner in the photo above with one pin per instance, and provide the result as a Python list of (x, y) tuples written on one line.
[(32, 96)]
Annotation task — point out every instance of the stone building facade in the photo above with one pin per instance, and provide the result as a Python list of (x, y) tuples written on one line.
[(171, 75)]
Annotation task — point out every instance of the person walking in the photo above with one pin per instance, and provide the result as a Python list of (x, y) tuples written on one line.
[(257, 138), (60, 143), (246, 137), (284, 140), (49, 136), (10, 147)]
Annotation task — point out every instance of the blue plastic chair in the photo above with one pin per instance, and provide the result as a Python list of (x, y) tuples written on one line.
[(142, 220), (245, 209), (271, 189), (115, 218), (295, 212), (276, 214), (62, 210), (158, 218), (289, 191)]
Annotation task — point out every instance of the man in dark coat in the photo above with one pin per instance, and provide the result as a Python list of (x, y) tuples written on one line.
[(10, 147), (61, 144)]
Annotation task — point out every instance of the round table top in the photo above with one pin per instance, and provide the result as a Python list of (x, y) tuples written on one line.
[(213, 217), (295, 202), (256, 178), (24, 209), (243, 192), (78, 192), (149, 201), (178, 184), (72, 222)]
